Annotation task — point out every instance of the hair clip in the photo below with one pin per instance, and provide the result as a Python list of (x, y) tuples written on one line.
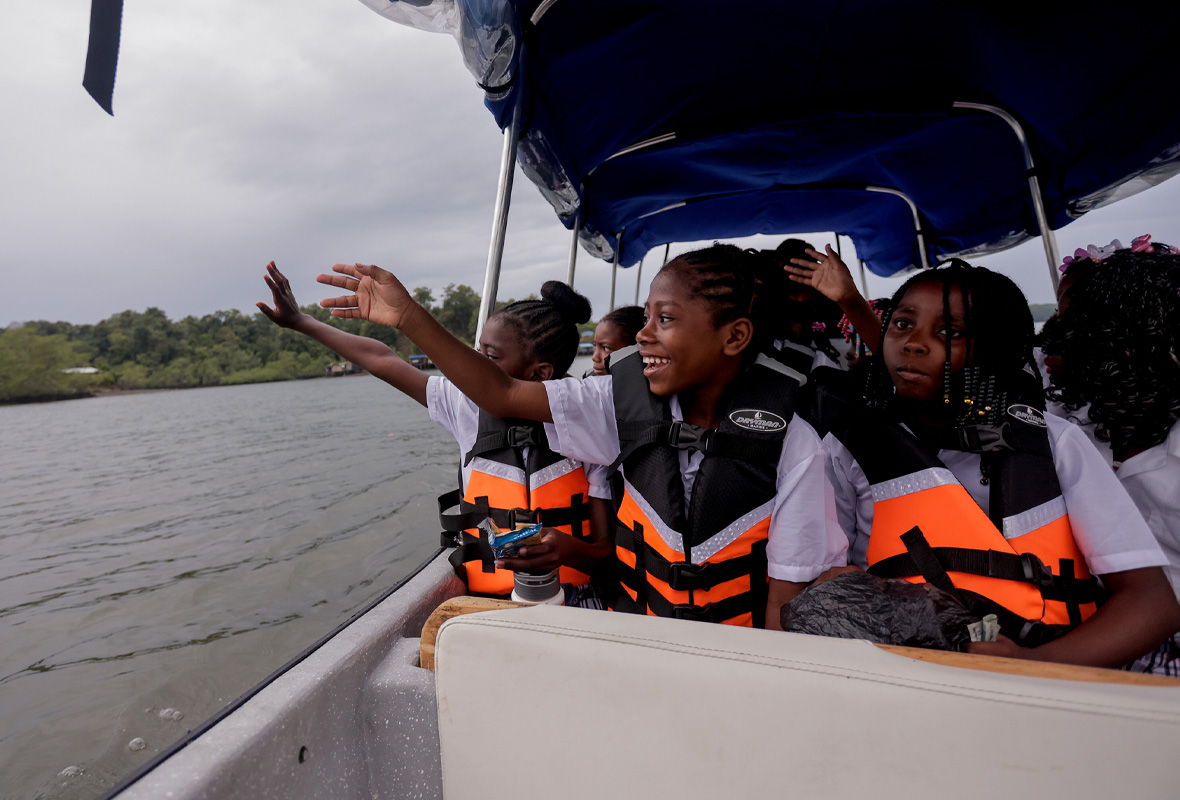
[(1142, 244)]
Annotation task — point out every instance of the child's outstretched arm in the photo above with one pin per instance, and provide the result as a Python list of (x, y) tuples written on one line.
[(374, 356), (379, 297), (829, 275), (1141, 612)]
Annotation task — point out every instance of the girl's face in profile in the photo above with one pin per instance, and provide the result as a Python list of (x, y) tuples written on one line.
[(500, 342), (608, 337), (914, 348)]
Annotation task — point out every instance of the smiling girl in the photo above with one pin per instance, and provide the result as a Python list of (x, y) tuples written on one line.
[(946, 471), (721, 483)]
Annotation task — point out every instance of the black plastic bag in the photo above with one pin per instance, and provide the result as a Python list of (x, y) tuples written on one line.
[(856, 605)]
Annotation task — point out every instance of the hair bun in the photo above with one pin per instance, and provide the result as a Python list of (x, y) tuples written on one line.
[(568, 303)]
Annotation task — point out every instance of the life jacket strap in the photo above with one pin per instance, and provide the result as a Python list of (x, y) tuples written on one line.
[(471, 550), (1025, 568), (681, 576), (513, 436), (1025, 632), (471, 514), (686, 436)]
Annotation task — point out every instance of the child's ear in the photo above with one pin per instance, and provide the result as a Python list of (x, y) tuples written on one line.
[(542, 371), (739, 336)]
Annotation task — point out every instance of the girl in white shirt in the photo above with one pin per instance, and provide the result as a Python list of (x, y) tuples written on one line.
[(1115, 350), (701, 333), (531, 341), (950, 395)]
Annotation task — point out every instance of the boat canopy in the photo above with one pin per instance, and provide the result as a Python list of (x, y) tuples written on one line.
[(916, 128)]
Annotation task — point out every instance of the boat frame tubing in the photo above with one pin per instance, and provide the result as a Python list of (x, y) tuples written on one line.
[(923, 258), (491, 279), (573, 260), (1048, 238), (614, 268)]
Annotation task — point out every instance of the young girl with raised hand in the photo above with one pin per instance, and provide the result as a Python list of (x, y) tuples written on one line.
[(720, 481), (509, 471), (946, 471), (1114, 346), (614, 331)]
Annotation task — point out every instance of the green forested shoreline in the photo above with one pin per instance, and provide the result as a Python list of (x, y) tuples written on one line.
[(145, 350)]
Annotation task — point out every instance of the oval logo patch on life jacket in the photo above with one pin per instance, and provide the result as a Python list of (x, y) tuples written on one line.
[(1027, 414), (758, 421)]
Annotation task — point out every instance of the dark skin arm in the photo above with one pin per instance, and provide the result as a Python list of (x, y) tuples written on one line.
[(1141, 612), (375, 357), (560, 549), (829, 275), (378, 296), (783, 592)]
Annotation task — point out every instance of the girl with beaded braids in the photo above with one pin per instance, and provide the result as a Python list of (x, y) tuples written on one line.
[(529, 340), (947, 472), (1115, 346), (720, 484)]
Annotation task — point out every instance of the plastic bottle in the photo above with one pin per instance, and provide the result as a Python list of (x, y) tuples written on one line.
[(538, 588)]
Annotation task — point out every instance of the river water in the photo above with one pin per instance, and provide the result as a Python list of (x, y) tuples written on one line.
[(161, 553)]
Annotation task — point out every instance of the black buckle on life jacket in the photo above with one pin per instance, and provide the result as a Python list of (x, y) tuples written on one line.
[(684, 577), (984, 438), (521, 436), (686, 436), (523, 516), (694, 613), (448, 539), (1035, 571)]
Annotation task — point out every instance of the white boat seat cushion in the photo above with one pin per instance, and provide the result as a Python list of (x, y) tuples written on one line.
[(550, 702)]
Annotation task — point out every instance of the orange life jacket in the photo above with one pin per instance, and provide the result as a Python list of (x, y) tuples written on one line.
[(1018, 561), (706, 562), (504, 485)]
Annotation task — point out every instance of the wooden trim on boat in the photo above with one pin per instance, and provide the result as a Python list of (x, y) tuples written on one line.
[(1035, 669), (456, 606), (465, 604)]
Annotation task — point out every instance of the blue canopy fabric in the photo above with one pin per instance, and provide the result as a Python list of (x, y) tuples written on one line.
[(773, 116)]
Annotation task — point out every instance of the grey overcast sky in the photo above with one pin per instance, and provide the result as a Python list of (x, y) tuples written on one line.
[(308, 132)]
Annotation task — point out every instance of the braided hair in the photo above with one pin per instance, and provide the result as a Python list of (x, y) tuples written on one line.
[(999, 332), (1119, 343), (548, 328), (628, 319), (734, 283)]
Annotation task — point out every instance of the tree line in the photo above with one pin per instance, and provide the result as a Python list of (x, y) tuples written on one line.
[(146, 350)]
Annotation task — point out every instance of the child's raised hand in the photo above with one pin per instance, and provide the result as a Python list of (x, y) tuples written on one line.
[(286, 313), (377, 295), (826, 273)]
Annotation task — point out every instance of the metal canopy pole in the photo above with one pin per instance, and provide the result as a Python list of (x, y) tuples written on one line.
[(1048, 238), (921, 238), (614, 269), (638, 276), (569, 272), (864, 281), (667, 248), (491, 279)]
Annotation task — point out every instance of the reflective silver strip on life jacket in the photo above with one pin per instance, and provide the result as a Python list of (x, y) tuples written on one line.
[(764, 360), (914, 482), (553, 472), (497, 470), (625, 352), (711, 546), (1035, 517)]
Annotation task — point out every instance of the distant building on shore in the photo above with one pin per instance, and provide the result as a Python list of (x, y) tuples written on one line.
[(343, 368)]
